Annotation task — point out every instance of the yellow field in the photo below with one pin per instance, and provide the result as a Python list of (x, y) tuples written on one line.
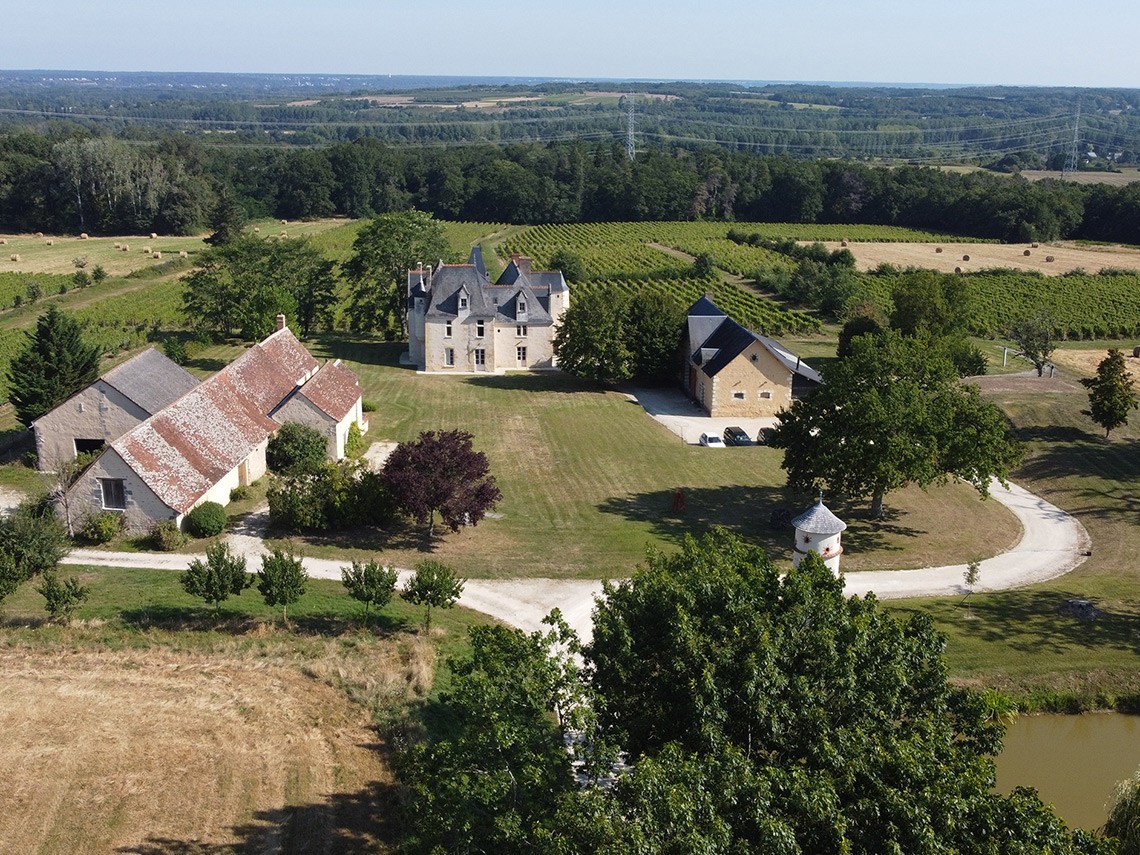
[(1083, 363), (1066, 256), (161, 750)]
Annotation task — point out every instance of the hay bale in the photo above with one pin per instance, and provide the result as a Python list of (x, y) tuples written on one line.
[(14, 257), (3, 241), (957, 269), (154, 235), (843, 243), (183, 254), (938, 249), (156, 255), (126, 247), (257, 230), (83, 235), (284, 234), (146, 250), (1048, 258), (50, 242), (1033, 245), (118, 245), (39, 234), (1027, 252), (284, 222), (965, 258)]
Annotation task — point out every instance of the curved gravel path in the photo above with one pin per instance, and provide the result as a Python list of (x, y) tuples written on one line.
[(1052, 543)]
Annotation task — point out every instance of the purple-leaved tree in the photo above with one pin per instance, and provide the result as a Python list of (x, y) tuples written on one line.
[(441, 471)]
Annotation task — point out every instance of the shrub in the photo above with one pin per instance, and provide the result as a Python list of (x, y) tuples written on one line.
[(337, 496), (81, 278), (103, 527), (206, 520), (354, 443), (166, 536), (98, 274), (239, 493), (296, 449), (368, 406), (61, 598), (175, 350)]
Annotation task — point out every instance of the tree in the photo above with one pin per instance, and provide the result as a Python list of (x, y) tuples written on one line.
[(55, 364), (370, 583), (570, 263), (213, 580), (243, 284), (893, 411), (441, 472), (281, 580), (654, 326), (34, 537), (61, 598), (382, 253), (335, 496), (67, 474), (433, 584), (227, 219), (1111, 396), (493, 782), (296, 449), (1034, 335), (590, 341), (831, 724)]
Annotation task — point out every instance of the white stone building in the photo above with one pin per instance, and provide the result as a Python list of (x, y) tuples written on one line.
[(458, 322), (820, 531)]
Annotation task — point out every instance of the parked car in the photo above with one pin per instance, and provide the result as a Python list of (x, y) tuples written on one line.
[(711, 440), (764, 435), (736, 435)]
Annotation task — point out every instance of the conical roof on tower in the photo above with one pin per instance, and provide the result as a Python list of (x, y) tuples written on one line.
[(819, 520)]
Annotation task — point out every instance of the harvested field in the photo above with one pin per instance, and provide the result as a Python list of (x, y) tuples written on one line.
[(1116, 179), (157, 750), (1083, 363), (1066, 256)]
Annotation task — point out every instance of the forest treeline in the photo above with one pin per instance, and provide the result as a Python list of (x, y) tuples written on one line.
[(71, 183)]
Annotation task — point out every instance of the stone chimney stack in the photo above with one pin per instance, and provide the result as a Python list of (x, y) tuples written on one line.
[(280, 322)]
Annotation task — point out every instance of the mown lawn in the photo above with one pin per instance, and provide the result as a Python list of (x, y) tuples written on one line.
[(1018, 640)]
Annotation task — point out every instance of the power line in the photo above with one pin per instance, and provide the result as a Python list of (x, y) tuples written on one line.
[(1071, 161)]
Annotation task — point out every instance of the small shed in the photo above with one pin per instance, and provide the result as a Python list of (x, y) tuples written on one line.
[(819, 530)]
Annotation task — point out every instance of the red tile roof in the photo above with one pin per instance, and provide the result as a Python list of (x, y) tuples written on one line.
[(333, 390)]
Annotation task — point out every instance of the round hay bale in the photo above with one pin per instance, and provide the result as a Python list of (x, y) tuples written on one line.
[(154, 235), (1033, 245), (146, 249), (3, 241), (118, 245), (14, 257), (938, 249), (83, 236), (957, 269), (156, 255), (183, 254), (1027, 252), (257, 230), (1048, 258), (843, 243), (965, 258), (39, 234), (50, 242), (284, 222), (284, 234), (126, 247)]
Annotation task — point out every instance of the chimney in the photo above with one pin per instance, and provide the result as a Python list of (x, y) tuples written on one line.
[(429, 277), (280, 322)]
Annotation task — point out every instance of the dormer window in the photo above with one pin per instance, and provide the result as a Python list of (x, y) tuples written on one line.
[(462, 300), (522, 305)]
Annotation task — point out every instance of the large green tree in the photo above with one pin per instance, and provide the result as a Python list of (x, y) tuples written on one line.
[(590, 341), (1034, 335), (891, 412), (242, 285), (1111, 396), (55, 364), (383, 252)]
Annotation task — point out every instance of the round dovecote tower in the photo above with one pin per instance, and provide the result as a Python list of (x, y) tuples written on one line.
[(818, 530)]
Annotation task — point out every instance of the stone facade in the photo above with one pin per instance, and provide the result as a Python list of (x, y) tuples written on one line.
[(85, 422), (458, 322)]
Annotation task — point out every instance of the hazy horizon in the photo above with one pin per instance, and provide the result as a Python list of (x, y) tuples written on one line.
[(884, 42)]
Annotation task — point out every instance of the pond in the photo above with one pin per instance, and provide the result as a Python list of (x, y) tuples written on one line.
[(1073, 761)]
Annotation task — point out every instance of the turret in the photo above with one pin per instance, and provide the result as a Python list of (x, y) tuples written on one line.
[(818, 530)]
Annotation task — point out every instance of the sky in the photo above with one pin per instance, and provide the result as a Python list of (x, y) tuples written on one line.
[(1012, 42)]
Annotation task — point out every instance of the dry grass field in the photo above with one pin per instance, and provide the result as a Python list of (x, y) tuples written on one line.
[(1083, 363), (1066, 256), (167, 750), (1116, 179)]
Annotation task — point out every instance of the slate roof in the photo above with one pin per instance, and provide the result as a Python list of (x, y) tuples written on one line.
[(334, 390), (819, 520), (484, 300), (151, 380), (185, 449), (716, 339)]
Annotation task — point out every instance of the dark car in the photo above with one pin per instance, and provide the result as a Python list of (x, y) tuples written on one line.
[(764, 435), (736, 436)]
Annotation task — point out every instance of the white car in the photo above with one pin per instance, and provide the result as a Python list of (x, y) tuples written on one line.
[(711, 440)]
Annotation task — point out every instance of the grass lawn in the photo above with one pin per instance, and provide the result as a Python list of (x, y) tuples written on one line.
[(1018, 640)]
